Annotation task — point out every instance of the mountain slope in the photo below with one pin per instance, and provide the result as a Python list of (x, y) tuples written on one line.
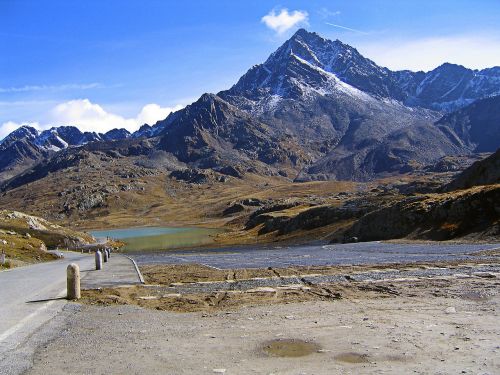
[(477, 125), (211, 132), (483, 172), (26, 146), (316, 108)]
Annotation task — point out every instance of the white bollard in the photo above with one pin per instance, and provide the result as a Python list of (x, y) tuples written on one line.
[(98, 260), (73, 282)]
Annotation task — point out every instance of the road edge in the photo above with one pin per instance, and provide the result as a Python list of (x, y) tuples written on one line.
[(139, 274)]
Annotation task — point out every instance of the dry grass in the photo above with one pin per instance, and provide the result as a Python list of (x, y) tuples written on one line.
[(25, 238), (160, 201), (21, 250)]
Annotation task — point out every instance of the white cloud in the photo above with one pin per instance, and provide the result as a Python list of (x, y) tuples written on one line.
[(8, 127), (151, 113), (88, 116), (284, 21), (476, 52)]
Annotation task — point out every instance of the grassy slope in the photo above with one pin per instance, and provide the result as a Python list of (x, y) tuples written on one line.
[(25, 238), (159, 200)]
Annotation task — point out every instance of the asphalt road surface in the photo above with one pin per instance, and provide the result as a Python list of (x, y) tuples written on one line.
[(29, 297), (337, 254)]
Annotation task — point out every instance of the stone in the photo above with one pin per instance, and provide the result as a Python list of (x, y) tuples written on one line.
[(73, 282), (98, 260)]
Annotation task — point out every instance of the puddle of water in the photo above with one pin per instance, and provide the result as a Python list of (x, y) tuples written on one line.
[(352, 358), (290, 348)]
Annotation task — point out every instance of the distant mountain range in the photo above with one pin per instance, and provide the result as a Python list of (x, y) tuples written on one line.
[(26, 145), (315, 109)]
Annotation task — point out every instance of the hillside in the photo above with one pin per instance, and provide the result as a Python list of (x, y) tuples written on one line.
[(473, 213), (25, 238), (483, 172)]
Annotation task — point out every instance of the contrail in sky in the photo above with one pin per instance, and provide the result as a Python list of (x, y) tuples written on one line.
[(346, 28)]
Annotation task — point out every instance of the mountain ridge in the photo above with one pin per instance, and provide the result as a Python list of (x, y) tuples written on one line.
[(315, 105)]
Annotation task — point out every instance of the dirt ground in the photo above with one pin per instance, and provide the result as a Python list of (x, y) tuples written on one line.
[(423, 326), (191, 273), (217, 300)]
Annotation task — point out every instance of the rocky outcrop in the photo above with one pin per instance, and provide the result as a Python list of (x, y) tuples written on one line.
[(275, 218), (484, 172), (192, 176), (233, 209), (259, 216), (474, 212), (50, 234)]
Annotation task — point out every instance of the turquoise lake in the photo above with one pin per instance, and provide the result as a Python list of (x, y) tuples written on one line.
[(158, 238)]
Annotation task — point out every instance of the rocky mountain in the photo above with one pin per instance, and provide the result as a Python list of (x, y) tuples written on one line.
[(211, 133), (313, 90), (26, 145), (447, 87), (316, 108), (477, 126), (116, 134), (19, 150)]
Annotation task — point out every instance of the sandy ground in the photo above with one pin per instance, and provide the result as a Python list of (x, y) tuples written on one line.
[(425, 326)]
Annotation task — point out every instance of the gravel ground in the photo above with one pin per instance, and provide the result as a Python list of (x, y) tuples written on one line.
[(337, 254), (364, 333), (217, 286)]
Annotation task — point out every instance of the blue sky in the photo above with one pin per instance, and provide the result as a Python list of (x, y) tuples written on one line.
[(101, 64)]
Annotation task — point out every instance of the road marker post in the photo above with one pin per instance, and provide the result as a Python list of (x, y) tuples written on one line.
[(98, 260), (73, 282)]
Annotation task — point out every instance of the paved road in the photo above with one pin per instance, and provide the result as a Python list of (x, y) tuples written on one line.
[(20, 314), (30, 296), (337, 254)]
